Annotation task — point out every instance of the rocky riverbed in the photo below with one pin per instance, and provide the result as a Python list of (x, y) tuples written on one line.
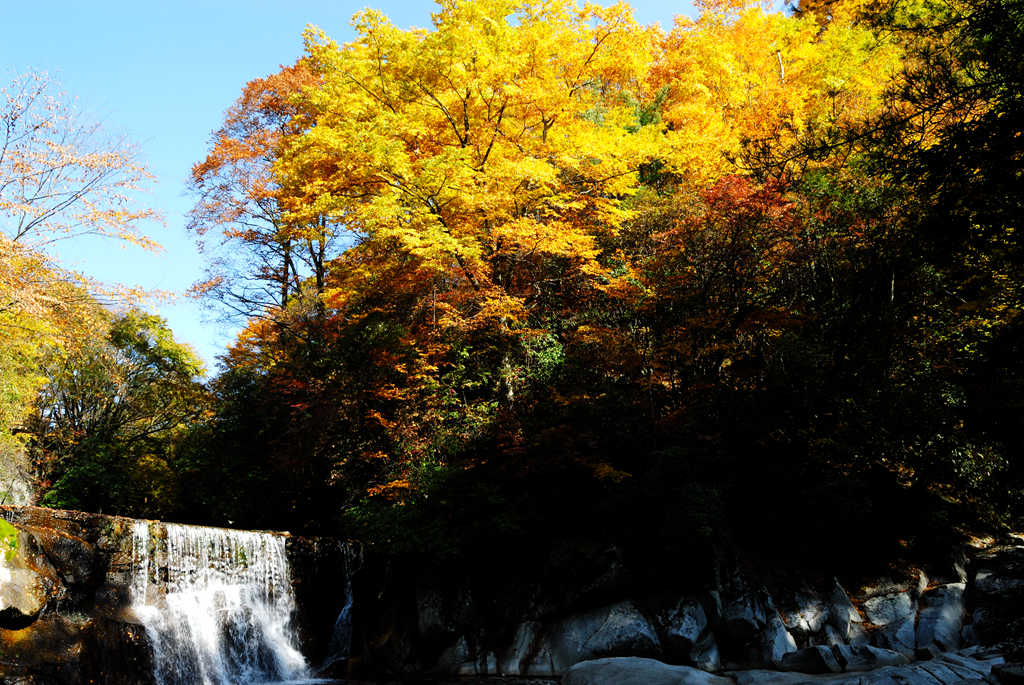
[(75, 589)]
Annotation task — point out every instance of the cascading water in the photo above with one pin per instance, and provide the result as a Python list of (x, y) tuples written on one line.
[(340, 646), (216, 605)]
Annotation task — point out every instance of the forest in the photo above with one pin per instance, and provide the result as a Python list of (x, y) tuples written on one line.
[(540, 277)]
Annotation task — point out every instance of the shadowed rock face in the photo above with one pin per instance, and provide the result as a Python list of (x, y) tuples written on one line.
[(805, 627), (66, 587)]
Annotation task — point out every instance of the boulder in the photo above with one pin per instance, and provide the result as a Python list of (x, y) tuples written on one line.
[(513, 659), (744, 617), (889, 609), (895, 614), (818, 659), (637, 671), (807, 615), (681, 627), (843, 617), (752, 629), (777, 641), (866, 657), (616, 630), (686, 636), (461, 659), (705, 654), (941, 616)]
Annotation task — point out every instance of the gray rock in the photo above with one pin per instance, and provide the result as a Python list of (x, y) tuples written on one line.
[(430, 612), (831, 636), (899, 637), (766, 677), (637, 671), (981, 664), (884, 610), (744, 617), (705, 654), (750, 623), (682, 627), (942, 672), (988, 582), (540, 663), (819, 659), (842, 612), (1008, 674), (960, 563), (866, 657), (941, 616), (511, 660), (460, 659), (808, 615), (615, 630), (778, 642), (914, 674), (922, 584)]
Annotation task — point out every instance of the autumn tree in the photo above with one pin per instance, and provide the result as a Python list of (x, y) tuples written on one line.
[(61, 177), (108, 414), (258, 258), (607, 275)]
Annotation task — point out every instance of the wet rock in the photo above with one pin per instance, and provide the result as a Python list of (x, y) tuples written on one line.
[(49, 648), (74, 559), (28, 582), (637, 671)]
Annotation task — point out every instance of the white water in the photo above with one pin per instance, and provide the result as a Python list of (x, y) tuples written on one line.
[(216, 604)]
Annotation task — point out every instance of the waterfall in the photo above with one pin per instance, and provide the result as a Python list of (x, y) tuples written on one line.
[(340, 646), (216, 605)]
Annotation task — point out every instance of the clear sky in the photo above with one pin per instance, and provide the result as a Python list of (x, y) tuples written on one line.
[(164, 73)]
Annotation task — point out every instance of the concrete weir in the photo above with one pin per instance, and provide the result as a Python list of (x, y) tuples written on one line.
[(93, 598)]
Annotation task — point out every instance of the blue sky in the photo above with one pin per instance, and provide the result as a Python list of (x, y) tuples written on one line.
[(163, 73)]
